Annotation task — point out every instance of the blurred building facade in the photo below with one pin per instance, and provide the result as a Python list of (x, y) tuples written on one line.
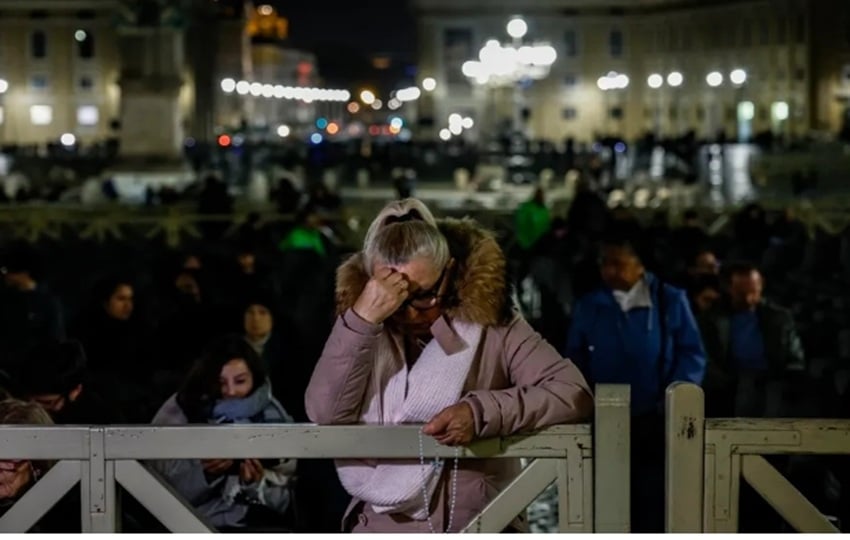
[(147, 73), (795, 55), (60, 69)]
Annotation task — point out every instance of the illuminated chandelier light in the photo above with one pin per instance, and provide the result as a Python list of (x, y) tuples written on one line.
[(505, 64)]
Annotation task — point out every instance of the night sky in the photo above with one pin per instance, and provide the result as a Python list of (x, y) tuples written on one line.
[(345, 33)]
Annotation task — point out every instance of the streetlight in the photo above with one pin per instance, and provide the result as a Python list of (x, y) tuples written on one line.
[(609, 82), (738, 76), (675, 79), (429, 84), (367, 97), (655, 81), (714, 79), (613, 81), (512, 65), (517, 28)]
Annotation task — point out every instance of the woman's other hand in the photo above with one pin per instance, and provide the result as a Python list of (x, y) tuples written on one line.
[(453, 426), (250, 471)]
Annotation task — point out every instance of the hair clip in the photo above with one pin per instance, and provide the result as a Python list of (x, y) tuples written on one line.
[(412, 215)]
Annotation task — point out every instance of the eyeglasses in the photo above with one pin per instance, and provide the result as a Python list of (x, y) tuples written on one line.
[(425, 300)]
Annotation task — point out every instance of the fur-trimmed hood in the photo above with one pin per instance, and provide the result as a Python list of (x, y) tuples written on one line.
[(480, 290)]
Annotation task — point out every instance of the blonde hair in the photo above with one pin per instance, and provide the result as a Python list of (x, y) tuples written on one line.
[(404, 230), (15, 411)]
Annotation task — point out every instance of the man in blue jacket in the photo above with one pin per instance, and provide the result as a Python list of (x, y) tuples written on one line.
[(637, 330)]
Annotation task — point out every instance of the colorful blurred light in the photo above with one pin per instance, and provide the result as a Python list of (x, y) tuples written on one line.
[(367, 97), (353, 107), (333, 128), (224, 140), (316, 138), (322, 123)]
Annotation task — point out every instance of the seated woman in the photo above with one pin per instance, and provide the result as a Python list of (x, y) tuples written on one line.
[(228, 384), (18, 476), (427, 333), (277, 344)]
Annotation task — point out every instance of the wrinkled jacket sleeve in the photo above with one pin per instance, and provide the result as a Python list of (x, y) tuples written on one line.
[(688, 349), (546, 388), (339, 382)]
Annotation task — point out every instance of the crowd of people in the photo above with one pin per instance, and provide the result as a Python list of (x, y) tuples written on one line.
[(261, 332)]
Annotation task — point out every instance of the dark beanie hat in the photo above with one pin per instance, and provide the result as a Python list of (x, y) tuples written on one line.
[(52, 367), (258, 298)]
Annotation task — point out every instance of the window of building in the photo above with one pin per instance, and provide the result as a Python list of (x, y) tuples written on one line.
[(747, 33), (800, 24), (616, 113), (85, 44), (782, 30), (570, 44), (38, 14), (847, 28), (570, 80), (800, 74), (38, 44), (41, 115), (86, 14), (674, 39), (39, 82), (764, 32), (615, 43), (569, 113), (88, 115), (86, 83)]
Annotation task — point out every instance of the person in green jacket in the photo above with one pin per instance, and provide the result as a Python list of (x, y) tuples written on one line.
[(533, 220), (306, 234)]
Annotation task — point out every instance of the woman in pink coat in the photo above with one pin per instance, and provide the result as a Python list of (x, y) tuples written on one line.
[(427, 334)]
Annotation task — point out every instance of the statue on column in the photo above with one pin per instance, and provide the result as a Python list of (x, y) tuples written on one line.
[(152, 13)]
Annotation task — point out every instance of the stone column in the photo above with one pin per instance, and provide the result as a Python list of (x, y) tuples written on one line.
[(152, 117)]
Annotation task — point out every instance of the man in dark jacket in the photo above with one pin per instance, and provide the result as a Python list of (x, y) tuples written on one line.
[(54, 376), (29, 313), (753, 349)]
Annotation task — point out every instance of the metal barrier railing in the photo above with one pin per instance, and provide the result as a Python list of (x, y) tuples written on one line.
[(706, 459), (587, 462)]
